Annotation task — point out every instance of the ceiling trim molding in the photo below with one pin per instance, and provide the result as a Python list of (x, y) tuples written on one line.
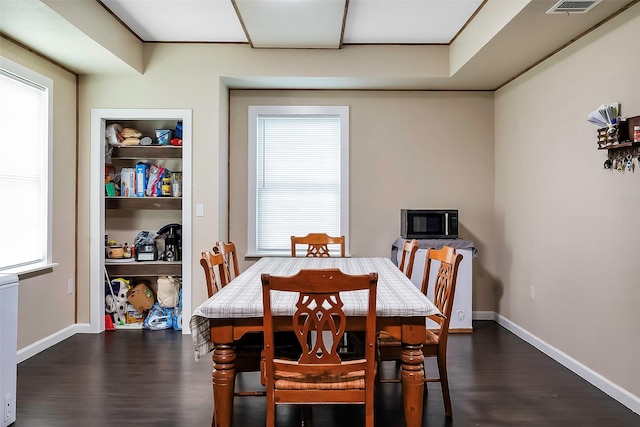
[(468, 21), (117, 18), (36, 53), (244, 27), (344, 23)]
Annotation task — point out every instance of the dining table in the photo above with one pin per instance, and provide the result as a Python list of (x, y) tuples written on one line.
[(237, 309)]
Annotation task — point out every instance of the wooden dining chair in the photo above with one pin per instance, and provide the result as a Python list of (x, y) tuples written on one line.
[(319, 375), (213, 266), (249, 346), (435, 345), (317, 244), (228, 251), (318, 247), (409, 250)]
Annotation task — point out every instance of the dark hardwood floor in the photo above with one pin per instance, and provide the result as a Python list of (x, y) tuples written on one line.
[(150, 378)]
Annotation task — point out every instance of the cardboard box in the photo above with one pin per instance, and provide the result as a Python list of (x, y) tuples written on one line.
[(132, 316), (128, 182), (142, 172), (140, 297)]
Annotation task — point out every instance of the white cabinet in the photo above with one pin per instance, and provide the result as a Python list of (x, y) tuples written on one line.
[(9, 340), (123, 217), (461, 316)]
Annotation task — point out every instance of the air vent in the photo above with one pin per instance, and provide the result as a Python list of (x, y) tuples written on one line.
[(573, 6)]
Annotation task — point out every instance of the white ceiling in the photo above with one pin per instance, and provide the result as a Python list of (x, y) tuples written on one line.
[(295, 23), (506, 36)]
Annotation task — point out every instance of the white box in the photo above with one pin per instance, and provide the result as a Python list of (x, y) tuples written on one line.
[(8, 350), (128, 182), (142, 169)]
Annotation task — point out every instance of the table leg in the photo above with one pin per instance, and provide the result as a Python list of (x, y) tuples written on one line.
[(412, 376), (224, 380)]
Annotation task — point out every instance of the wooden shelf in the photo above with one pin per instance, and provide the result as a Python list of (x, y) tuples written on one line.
[(623, 134), (144, 268), (147, 152), (620, 145), (136, 203), (129, 326)]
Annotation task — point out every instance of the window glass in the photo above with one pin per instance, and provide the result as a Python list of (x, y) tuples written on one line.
[(298, 169), (24, 166)]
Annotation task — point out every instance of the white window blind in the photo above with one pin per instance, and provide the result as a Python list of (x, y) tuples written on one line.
[(24, 120), (298, 175)]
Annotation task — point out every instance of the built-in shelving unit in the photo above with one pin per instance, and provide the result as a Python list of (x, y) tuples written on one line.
[(137, 219), (121, 218)]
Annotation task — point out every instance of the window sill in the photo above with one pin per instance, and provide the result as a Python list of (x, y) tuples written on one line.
[(32, 270)]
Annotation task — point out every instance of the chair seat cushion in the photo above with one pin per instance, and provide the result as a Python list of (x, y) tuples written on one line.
[(286, 380)]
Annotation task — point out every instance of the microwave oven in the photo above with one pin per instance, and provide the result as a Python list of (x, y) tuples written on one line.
[(429, 223)]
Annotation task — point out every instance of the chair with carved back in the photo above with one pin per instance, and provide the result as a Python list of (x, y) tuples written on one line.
[(435, 345), (317, 244), (409, 250), (228, 251), (319, 375)]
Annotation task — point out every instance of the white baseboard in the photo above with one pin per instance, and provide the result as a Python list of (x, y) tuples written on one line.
[(84, 328), (623, 396), (46, 342), (483, 315)]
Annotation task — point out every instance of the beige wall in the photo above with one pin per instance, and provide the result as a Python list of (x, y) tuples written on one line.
[(408, 149), (564, 224), (44, 307), (558, 221), (195, 76)]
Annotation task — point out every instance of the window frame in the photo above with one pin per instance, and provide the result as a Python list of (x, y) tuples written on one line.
[(253, 113), (36, 79)]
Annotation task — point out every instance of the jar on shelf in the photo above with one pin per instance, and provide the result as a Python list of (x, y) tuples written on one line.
[(636, 134)]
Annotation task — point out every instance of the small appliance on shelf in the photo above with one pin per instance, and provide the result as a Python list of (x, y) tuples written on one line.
[(429, 223), (172, 234), (145, 247)]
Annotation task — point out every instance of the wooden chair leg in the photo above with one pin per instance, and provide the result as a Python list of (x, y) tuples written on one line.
[(271, 410), (444, 383), (369, 409)]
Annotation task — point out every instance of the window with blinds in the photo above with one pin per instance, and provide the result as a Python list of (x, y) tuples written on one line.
[(24, 167), (298, 175)]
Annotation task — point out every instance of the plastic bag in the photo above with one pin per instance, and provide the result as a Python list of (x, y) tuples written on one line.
[(168, 291), (177, 314), (158, 318), (154, 186)]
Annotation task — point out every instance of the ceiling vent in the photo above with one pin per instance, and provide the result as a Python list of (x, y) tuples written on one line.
[(573, 6)]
